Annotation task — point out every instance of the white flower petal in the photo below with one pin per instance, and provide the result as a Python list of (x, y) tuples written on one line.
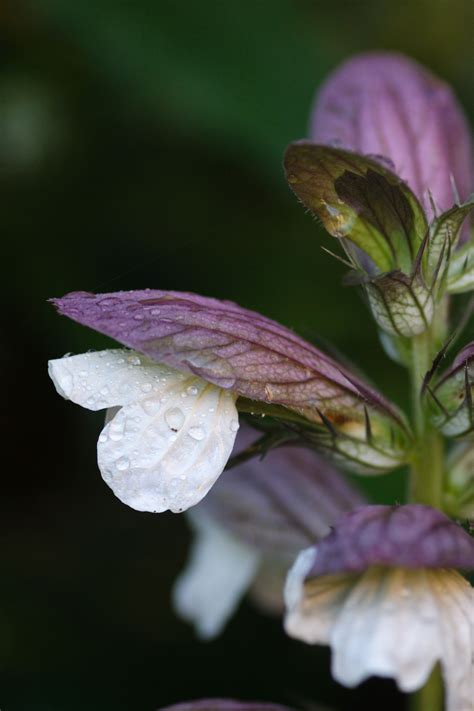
[(101, 379), (217, 575), (166, 451), (390, 622)]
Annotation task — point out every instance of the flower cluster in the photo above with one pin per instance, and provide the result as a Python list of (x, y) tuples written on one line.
[(387, 169)]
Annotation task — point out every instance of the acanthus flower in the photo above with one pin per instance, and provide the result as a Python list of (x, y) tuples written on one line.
[(384, 592), (195, 362)]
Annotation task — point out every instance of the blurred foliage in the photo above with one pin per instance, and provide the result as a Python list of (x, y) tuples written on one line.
[(141, 145)]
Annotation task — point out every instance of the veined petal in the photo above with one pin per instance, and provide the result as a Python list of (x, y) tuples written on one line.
[(97, 380), (218, 573), (388, 105), (390, 622), (167, 450)]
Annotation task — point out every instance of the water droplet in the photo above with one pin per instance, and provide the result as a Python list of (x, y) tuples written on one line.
[(146, 387), (139, 317), (90, 401), (102, 354), (155, 312), (110, 301), (105, 390), (83, 373), (234, 425), (115, 431), (192, 390), (122, 464), (134, 360), (174, 418), (103, 437), (197, 433)]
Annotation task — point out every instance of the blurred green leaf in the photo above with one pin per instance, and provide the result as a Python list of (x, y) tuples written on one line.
[(227, 70)]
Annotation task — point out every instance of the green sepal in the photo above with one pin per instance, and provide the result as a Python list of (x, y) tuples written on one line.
[(402, 305), (359, 200), (370, 445), (451, 401), (459, 482), (461, 270), (444, 236)]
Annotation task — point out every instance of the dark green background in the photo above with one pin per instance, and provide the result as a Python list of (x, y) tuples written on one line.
[(141, 146)]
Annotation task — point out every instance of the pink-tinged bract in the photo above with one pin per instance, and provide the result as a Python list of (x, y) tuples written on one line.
[(387, 105)]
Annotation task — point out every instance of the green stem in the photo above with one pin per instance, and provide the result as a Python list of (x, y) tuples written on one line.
[(427, 464), (426, 486), (430, 696)]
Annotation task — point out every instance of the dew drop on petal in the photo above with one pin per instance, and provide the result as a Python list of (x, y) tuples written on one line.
[(234, 425), (192, 390), (174, 418), (197, 433), (122, 464), (134, 360)]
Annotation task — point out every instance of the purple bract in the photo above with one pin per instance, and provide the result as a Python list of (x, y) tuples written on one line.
[(231, 347), (410, 536)]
